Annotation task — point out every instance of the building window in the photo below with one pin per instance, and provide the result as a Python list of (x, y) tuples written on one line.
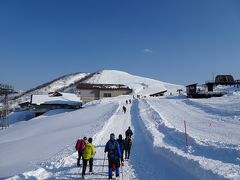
[(107, 95)]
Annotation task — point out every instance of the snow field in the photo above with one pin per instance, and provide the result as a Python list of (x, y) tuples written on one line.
[(40, 140), (63, 166), (208, 161), (45, 145)]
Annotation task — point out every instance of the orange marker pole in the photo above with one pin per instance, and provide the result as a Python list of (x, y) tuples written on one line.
[(186, 132)]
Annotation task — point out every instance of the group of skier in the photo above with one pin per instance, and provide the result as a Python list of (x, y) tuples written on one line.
[(128, 101), (114, 148), (124, 107)]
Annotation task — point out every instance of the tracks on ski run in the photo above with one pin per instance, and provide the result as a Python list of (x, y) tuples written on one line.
[(117, 124), (145, 160), (65, 168)]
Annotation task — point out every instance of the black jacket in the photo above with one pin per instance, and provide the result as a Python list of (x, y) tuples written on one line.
[(129, 133)]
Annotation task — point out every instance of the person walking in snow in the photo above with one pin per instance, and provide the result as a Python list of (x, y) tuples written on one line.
[(128, 145), (124, 109), (114, 154), (121, 143), (128, 142), (88, 155), (129, 132), (79, 148)]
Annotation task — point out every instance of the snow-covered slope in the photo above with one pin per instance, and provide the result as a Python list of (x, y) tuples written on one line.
[(27, 144), (213, 134), (158, 151), (43, 148), (55, 85), (140, 85), (67, 83)]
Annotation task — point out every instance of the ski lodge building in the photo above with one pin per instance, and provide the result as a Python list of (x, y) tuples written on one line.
[(40, 104), (90, 92)]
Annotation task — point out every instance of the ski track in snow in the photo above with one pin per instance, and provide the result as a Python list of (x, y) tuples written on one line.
[(213, 110), (148, 163), (175, 138), (202, 126), (158, 150), (65, 168), (171, 141)]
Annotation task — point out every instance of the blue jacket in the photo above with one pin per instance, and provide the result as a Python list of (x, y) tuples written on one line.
[(113, 149)]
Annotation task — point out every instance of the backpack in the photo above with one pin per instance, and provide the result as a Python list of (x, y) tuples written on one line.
[(112, 150), (121, 144), (88, 151), (128, 133), (128, 142), (80, 145)]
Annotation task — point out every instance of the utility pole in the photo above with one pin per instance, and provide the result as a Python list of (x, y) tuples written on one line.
[(5, 90)]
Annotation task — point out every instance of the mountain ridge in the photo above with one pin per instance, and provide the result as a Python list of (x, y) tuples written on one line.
[(67, 83)]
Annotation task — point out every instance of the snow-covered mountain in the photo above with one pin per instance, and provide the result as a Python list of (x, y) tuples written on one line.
[(140, 85), (43, 147), (59, 84), (67, 83)]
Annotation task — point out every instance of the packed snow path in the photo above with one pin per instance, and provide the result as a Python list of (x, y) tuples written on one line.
[(66, 168), (158, 151), (117, 124)]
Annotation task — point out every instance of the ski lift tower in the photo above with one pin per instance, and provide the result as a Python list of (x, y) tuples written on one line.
[(5, 90)]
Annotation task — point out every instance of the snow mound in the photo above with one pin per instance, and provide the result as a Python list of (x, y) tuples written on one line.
[(140, 85)]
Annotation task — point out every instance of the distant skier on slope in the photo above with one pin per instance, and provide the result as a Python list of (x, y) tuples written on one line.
[(79, 148), (124, 109), (88, 155), (114, 155)]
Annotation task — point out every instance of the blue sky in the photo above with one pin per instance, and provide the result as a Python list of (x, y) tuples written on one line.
[(171, 40)]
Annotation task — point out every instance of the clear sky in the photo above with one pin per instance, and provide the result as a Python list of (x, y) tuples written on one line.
[(177, 41)]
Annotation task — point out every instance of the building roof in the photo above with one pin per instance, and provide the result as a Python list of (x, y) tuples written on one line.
[(102, 86), (24, 104), (192, 85), (158, 93), (60, 98)]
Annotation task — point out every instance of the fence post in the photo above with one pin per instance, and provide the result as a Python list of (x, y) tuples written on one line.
[(185, 127)]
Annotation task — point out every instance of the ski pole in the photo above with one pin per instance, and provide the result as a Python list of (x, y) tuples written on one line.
[(122, 169), (103, 161)]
